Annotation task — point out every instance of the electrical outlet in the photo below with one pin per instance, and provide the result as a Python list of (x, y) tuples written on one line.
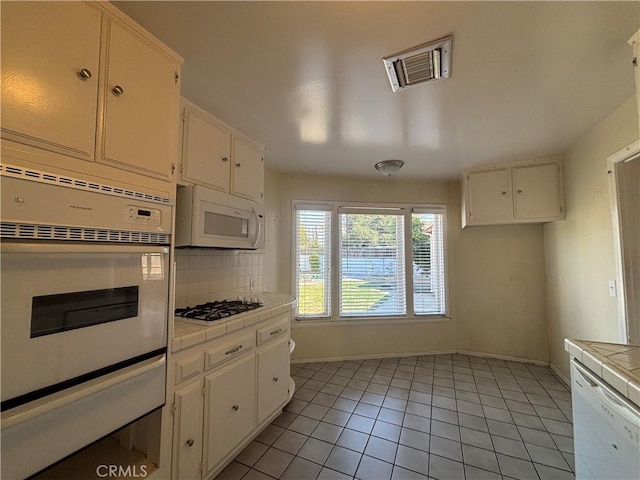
[(252, 284), (612, 288)]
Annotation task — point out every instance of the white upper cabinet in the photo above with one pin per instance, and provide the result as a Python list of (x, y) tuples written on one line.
[(138, 105), (80, 80), (537, 191), (206, 151), (524, 192), (489, 196), (216, 156), (50, 58), (247, 174)]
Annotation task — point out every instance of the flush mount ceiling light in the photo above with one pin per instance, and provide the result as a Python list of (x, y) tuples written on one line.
[(424, 63), (389, 167)]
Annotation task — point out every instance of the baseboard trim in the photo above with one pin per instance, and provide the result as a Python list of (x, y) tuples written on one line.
[(416, 354), (504, 357), (560, 375), (368, 357)]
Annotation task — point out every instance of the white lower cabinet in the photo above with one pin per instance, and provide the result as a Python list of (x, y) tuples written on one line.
[(236, 389), (229, 409), (187, 436), (273, 377)]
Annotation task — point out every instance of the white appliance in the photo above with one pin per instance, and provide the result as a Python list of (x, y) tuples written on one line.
[(85, 296), (606, 429), (208, 218)]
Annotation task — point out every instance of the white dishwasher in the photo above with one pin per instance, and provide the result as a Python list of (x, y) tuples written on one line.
[(606, 429)]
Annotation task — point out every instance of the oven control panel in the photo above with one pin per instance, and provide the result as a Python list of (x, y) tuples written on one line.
[(144, 216)]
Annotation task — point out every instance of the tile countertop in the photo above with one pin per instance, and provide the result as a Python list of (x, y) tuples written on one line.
[(186, 334), (617, 364)]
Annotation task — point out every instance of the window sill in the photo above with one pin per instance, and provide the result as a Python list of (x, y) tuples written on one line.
[(369, 321)]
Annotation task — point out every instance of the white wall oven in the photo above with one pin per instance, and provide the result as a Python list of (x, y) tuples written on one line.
[(85, 295)]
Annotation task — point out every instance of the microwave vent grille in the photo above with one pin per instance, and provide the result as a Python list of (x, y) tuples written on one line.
[(53, 232)]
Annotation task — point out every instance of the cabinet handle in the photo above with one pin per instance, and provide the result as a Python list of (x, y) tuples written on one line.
[(117, 90), (225, 159), (190, 442), (235, 408), (233, 350), (84, 73), (238, 165), (275, 332), (275, 379)]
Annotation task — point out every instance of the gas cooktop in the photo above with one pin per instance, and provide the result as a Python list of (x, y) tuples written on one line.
[(218, 310)]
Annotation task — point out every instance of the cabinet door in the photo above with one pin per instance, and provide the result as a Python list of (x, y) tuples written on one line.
[(139, 106), (206, 152), (230, 408), (247, 173), (188, 432), (46, 100), (273, 377), (536, 189), (636, 63), (489, 197)]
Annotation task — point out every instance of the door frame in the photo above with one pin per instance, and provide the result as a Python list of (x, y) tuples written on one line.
[(628, 153)]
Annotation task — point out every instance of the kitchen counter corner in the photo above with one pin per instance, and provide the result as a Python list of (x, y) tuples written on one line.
[(618, 364)]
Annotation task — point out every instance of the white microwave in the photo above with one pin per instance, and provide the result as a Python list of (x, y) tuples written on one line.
[(208, 218)]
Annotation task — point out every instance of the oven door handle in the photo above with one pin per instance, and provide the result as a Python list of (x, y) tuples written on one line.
[(15, 247), (46, 405)]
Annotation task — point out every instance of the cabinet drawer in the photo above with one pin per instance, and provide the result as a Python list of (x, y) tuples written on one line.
[(275, 330), (188, 368), (230, 350)]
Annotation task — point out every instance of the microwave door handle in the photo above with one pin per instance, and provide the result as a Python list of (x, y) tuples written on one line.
[(258, 229)]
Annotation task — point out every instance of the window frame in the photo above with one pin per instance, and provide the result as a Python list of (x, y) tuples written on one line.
[(408, 209)]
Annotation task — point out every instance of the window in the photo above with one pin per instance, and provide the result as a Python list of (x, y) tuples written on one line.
[(313, 260), (385, 261)]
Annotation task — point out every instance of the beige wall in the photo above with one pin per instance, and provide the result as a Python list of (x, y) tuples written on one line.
[(496, 279), (579, 251), (273, 229), (500, 291)]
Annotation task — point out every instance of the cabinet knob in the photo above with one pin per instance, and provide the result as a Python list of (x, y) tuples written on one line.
[(84, 73), (190, 442), (117, 90), (235, 408), (225, 159), (238, 165), (275, 379), (519, 191), (504, 193)]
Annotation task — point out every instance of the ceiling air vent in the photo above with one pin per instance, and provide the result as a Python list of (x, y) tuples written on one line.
[(424, 63)]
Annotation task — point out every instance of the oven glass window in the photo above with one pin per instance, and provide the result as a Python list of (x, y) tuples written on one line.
[(225, 225), (68, 311), (152, 266)]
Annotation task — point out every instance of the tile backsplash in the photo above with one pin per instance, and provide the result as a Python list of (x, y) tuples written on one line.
[(203, 275)]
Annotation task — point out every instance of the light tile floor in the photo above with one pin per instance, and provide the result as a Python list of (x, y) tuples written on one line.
[(438, 416)]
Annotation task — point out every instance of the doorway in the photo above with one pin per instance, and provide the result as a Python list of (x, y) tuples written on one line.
[(624, 170)]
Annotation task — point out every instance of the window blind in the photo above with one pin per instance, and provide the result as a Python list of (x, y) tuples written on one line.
[(428, 261), (372, 262), (313, 261)]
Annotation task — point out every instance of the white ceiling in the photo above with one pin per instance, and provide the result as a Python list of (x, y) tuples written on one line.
[(306, 79)]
